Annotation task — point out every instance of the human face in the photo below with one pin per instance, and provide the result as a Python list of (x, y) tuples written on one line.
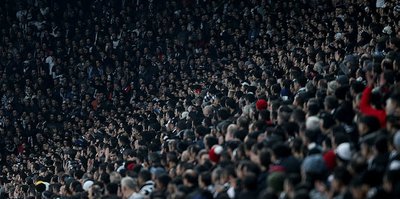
[(391, 107)]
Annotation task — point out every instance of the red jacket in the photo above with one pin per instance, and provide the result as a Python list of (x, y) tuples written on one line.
[(367, 109)]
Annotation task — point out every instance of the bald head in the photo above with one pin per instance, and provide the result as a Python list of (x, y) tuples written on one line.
[(230, 132)]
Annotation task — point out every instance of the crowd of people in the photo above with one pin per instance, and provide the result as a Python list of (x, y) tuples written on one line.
[(200, 99)]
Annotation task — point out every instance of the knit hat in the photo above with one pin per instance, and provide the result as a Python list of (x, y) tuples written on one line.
[(130, 166), (157, 171), (342, 80), (330, 159), (276, 180), (261, 104), (314, 164), (215, 153), (344, 152)]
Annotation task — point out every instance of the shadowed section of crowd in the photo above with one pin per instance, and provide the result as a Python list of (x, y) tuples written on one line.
[(199, 99)]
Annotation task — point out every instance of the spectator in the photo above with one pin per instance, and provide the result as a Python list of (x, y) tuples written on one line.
[(129, 188), (199, 99), (145, 182)]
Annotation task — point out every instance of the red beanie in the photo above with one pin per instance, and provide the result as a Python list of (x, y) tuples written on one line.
[(130, 166), (215, 153), (330, 160), (261, 104)]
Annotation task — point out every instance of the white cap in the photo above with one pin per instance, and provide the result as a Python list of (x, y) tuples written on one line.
[(312, 123), (86, 186), (344, 151)]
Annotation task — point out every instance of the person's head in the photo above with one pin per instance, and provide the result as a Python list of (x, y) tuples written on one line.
[(115, 177), (201, 131), (367, 124), (144, 176), (230, 132), (210, 141), (162, 182), (339, 54), (298, 116), (243, 122), (290, 182), (299, 101), (113, 155), (112, 188), (205, 180), (128, 186), (327, 122), (208, 111), (223, 114), (190, 178), (330, 103), (299, 83), (250, 182), (313, 123), (341, 178), (357, 188), (123, 141), (172, 159), (76, 187), (393, 104), (95, 191), (284, 113), (313, 168)]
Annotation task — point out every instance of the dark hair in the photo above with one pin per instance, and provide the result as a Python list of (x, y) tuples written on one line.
[(191, 177), (181, 124), (105, 178), (357, 87), (172, 156), (298, 115), (343, 175), (112, 188), (281, 150), (327, 121), (211, 141), (381, 144), (291, 129), (206, 178), (313, 108), (202, 131), (164, 179), (145, 175), (223, 114), (76, 186), (371, 121), (265, 157), (230, 103), (243, 121), (78, 174), (250, 181), (395, 97), (331, 102)]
